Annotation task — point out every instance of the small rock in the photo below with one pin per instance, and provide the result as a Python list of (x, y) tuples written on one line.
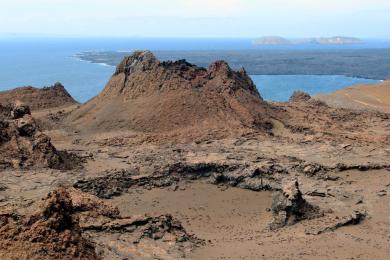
[(20, 110), (347, 147), (299, 96), (3, 187), (316, 193), (26, 126)]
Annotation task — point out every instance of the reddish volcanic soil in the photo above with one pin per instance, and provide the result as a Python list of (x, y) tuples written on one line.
[(373, 97), (146, 95), (174, 161), (38, 98)]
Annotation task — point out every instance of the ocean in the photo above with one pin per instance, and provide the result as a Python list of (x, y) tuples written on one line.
[(43, 61), (280, 87)]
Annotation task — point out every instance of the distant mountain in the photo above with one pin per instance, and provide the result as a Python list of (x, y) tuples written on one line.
[(336, 40), (271, 40)]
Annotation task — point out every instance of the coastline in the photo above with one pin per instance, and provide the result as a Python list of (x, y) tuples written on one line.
[(349, 62)]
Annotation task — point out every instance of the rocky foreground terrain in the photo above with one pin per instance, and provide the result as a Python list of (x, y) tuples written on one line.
[(176, 161)]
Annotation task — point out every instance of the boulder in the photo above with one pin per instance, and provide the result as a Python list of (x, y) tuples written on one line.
[(289, 206), (51, 233), (19, 110), (23, 145), (299, 96)]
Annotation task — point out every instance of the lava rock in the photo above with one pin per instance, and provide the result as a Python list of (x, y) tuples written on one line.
[(289, 206), (299, 96), (20, 110)]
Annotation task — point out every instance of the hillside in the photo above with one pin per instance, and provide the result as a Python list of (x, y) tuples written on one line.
[(38, 98), (376, 97), (147, 95)]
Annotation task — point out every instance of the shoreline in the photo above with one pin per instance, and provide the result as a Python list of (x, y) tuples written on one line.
[(349, 63)]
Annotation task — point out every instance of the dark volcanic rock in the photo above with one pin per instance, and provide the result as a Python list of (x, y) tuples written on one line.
[(299, 96), (329, 225), (3, 187), (289, 206), (5, 111), (114, 183), (20, 110)]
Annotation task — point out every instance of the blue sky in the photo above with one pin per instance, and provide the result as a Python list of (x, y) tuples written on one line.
[(197, 18)]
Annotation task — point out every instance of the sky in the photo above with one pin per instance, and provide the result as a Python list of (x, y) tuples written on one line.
[(196, 18)]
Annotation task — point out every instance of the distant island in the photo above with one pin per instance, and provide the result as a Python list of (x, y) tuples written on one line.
[(336, 40), (271, 40)]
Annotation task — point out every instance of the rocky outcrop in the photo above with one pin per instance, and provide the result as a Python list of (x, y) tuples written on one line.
[(289, 206), (5, 111), (23, 145), (51, 233), (264, 175), (38, 98), (330, 224), (73, 225), (299, 96), (150, 96)]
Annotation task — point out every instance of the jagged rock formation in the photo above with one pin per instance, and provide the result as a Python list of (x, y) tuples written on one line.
[(74, 225), (266, 176), (147, 95), (307, 117), (23, 145), (289, 206), (51, 233), (38, 98)]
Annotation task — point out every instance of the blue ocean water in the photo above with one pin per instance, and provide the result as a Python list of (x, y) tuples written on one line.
[(41, 62), (280, 87)]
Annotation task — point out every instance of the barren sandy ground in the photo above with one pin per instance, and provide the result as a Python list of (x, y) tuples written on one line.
[(233, 220), (375, 97)]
